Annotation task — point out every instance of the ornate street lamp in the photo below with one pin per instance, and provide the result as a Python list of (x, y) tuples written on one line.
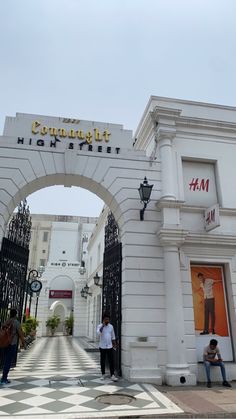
[(86, 290), (145, 192), (82, 268), (83, 294), (97, 279)]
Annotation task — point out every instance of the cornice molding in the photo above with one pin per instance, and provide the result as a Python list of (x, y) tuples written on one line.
[(211, 239), (194, 209), (161, 112), (172, 236), (170, 122), (194, 122), (169, 203)]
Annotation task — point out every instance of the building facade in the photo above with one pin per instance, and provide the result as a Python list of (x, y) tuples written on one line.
[(58, 250), (183, 252), (194, 145)]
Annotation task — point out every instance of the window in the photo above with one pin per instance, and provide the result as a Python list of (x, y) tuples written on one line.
[(45, 236), (43, 251), (42, 262)]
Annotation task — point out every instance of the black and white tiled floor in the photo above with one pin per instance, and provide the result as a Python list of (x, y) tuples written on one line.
[(57, 378)]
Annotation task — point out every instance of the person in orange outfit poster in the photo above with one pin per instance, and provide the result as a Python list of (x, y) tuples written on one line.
[(209, 300)]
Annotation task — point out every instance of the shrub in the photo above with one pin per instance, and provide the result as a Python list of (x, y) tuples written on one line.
[(69, 322)]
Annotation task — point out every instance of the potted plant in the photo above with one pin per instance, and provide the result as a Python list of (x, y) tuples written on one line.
[(52, 323), (29, 326), (69, 322)]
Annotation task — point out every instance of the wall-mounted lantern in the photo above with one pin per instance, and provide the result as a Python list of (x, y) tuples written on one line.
[(97, 280), (86, 290), (83, 293), (145, 192)]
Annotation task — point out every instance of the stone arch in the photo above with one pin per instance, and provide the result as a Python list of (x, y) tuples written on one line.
[(60, 309), (53, 180), (115, 178), (52, 280)]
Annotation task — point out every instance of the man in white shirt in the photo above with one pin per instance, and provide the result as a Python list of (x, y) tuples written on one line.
[(209, 303), (107, 344)]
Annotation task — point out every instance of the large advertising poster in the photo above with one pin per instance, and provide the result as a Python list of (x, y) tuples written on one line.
[(210, 309)]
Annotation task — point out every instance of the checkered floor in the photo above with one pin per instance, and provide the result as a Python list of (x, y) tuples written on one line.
[(57, 378)]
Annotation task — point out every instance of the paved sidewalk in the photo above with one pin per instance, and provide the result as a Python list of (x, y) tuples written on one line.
[(199, 401), (59, 378)]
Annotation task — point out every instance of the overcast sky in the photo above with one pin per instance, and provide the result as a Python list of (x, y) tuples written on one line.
[(102, 59)]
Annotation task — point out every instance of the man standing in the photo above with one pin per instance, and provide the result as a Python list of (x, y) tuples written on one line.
[(209, 303), (10, 350), (106, 345), (209, 359)]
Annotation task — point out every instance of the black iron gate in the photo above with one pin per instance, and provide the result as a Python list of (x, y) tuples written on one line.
[(111, 301), (13, 264)]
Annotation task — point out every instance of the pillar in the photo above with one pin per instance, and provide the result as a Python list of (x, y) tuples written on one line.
[(177, 369), (167, 168)]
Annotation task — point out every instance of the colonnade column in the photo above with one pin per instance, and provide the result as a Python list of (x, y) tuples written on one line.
[(177, 369), (167, 167)]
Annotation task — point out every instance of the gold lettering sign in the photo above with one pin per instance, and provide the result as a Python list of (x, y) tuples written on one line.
[(90, 135)]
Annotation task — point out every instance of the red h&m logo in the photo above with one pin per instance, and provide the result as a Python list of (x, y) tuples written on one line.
[(199, 185)]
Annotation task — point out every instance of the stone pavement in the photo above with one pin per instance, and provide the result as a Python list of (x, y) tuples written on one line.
[(57, 378), (199, 401)]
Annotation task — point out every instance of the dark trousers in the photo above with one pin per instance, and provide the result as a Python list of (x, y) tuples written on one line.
[(9, 353), (109, 354), (209, 311)]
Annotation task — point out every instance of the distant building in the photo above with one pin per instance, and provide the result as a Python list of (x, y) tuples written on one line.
[(58, 250), (43, 226)]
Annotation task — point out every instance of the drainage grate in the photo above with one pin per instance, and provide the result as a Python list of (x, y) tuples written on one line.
[(115, 399), (58, 378)]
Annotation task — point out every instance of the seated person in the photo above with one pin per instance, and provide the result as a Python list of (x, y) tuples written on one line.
[(209, 359)]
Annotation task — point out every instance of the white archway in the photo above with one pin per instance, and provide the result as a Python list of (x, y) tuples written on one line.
[(114, 173), (59, 309)]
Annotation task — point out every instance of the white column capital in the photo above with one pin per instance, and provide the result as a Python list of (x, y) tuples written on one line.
[(163, 114), (165, 136), (172, 237)]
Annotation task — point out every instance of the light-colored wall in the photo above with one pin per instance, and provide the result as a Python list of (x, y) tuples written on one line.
[(39, 249), (62, 270), (204, 134), (64, 242), (156, 252)]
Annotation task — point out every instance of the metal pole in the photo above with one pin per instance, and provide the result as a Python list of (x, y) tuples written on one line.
[(30, 302), (36, 307)]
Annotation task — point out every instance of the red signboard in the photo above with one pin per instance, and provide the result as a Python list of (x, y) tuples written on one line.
[(60, 294)]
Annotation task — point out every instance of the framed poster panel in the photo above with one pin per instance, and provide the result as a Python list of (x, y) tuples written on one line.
[(199, 183), (210, 309)]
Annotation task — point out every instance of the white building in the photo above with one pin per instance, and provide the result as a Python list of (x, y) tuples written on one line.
[(64, 272), (41, 236), (186, 150)]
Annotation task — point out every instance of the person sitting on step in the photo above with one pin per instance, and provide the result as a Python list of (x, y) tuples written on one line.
[(210, 359)]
